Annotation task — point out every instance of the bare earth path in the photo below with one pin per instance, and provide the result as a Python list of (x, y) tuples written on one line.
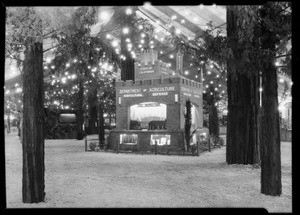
[(74, 178)]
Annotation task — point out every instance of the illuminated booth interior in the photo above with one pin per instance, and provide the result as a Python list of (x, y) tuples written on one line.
[(148, 115), (150, 110)]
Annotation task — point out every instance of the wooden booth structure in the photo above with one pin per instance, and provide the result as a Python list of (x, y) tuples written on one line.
[(150, 110)]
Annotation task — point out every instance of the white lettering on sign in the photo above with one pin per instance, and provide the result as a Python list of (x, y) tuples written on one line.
[(160, 94), (146, 68), (133, 95), (197, 96), (187, 94), (186, 89), (146, 72), (157, 89), (197, 92), (130, 91), (154, 104), (191, 91)]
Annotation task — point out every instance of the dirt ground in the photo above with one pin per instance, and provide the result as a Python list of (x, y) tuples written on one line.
[(75, 178)]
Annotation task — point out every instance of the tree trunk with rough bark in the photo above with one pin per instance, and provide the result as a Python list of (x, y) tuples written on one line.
[(93, 118), (270, 135), (270, 127), (188, 124), (243, 104), (33, 181), (101, 124), (80, 111), (213, 121)]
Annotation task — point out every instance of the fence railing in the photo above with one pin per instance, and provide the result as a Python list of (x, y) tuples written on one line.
[(207, 144)]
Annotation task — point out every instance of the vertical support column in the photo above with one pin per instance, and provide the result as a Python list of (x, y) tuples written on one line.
[(155, 148), (85, 144)]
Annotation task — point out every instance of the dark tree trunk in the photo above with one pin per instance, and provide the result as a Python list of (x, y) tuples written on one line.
[(92, 102), (80, 111), (243, 104), (101, 131), (188, 124), (33, 182), (270, 136), (127, 65), (270, 128), (213, 121)]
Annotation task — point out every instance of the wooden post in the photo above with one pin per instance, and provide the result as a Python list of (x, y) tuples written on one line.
[(155, 148), (85, 143)]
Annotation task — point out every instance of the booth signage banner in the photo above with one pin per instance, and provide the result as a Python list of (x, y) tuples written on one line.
[(146, 70), (188, 92), (140, 92)]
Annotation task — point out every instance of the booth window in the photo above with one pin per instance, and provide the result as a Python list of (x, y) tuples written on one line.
[(128, 139), (160, 139), (148, 115)]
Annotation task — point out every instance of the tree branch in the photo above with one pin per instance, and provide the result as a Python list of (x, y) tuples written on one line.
[(45, 35), (11, 56), (50, 48), (284, 55)]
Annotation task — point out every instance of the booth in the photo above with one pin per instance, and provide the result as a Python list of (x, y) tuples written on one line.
[(151, 109)]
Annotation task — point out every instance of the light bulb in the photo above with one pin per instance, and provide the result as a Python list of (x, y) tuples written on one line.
[(114, 43), (125, 30), (128, 11)]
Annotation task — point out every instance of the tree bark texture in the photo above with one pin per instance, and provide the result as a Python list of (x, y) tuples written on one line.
[(101, 124), (33, 181), (270, 128), (213, 121), (270, 135), (188, 124), (243, 104), (80, 111), (93, 118)]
